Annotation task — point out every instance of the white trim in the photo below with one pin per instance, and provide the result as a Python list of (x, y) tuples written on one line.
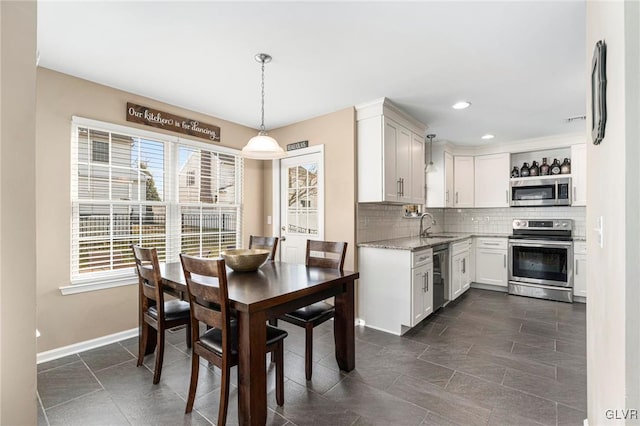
[(97, 285), (85, 346)]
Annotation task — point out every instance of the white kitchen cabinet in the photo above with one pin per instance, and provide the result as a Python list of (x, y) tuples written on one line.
[(463, 175), (579, 268), (491, 180), (491, 261), (394, 294), (579, 174), (460, 268), (422, 287), (390, 155), (440, 182)]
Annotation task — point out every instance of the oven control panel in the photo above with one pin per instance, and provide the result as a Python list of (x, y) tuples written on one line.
[(543, 224)]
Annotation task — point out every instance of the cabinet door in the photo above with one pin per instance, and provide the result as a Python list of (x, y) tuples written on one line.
[(391, 183), (418, 195), (419, 283), (448, 180), (403, 164), (491, 266), (456, 275), (492, 180), (580, 274), (463, 181), (579, 174)]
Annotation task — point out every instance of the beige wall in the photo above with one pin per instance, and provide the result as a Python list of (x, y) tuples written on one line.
[(613, 338), (64, 320), (337, 132), (17, 213)]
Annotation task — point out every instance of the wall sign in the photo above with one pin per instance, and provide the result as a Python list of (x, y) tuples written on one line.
[(164, 120), (599, 92), (297, 145)]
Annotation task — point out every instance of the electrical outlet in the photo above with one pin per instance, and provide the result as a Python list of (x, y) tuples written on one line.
[(268, 220)]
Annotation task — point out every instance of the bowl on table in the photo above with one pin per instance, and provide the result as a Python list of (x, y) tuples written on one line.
[(245, 260)]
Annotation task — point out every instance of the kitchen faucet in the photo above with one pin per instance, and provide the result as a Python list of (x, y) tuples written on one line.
[(425, 232)]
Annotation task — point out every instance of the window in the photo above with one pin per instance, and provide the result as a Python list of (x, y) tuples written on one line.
[(137, 187), (100, 150)]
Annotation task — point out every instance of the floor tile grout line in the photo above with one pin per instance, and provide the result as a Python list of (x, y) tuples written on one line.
[(74, 399), (542, 397), (44, 412), (60, 366)]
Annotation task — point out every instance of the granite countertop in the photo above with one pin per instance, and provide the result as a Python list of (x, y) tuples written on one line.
[(417, 243)]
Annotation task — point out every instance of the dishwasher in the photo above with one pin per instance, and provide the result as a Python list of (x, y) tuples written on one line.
[(440, 276)]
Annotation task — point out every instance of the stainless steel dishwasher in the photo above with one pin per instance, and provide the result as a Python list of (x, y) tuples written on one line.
[(440, 275)]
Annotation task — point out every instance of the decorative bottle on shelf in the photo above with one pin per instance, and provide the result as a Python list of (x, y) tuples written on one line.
[(524, 171), (565, 168), (534, 169), (544, 168), (555, 167), (515, 172)]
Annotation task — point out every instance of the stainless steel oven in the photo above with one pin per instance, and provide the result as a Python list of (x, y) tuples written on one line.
[(541, 259), (543, 191)]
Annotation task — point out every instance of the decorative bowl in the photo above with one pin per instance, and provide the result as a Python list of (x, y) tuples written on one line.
[(245, 260)]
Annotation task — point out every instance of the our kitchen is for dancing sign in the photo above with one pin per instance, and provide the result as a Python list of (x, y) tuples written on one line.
[(164, 120)]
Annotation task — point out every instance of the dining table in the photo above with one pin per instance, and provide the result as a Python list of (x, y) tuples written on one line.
[(273, 290)]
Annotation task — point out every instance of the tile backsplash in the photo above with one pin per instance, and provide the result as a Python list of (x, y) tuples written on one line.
[(382, 222)]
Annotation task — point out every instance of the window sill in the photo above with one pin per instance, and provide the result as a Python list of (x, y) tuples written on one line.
[(96, 285)]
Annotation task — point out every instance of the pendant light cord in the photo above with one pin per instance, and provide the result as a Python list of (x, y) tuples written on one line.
[(262, 122)]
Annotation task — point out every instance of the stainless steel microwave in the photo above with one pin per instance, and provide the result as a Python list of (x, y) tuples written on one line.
[(543, 191)]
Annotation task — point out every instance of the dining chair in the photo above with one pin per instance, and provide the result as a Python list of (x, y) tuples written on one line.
[(154, 311), (269, 243), (219, 344), (323, 254)]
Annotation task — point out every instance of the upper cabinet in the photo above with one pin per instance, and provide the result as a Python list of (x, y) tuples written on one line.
[(579, 174), (440, 179), (390, 155), (463, 176), (492, 180)]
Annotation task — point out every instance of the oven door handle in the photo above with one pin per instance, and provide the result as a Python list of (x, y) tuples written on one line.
[(541, 244)]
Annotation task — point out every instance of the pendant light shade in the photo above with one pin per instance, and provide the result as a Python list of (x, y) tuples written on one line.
[(431, 167), (262, 146)]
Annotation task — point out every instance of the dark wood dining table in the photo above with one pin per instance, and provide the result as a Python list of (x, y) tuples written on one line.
[(275, 289)]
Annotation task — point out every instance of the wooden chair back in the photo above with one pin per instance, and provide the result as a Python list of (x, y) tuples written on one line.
[(149, 277), (268, 243), (209, 303), (326, 254)]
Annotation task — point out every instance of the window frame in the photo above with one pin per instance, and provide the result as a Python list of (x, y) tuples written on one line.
[(89, 281)]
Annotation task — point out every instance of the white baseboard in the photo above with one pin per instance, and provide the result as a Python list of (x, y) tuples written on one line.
[(85, 346)]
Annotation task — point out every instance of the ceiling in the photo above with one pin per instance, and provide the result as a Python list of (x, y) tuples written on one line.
[(522, 65)]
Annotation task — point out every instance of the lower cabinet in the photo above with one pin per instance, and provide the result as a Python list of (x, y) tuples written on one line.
[(460, 268), (491, 261), (395, 290), (580, 269)]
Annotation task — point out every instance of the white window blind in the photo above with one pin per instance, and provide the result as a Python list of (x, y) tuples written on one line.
[(137, 187)]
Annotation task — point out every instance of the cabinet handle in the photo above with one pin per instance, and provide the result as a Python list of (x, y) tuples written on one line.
[(402, 187), (447, 196), (464, 265), (425, 193), (505, 260), (577, 273), (574, 193), (490, 244), (507, 194), (427, 277), (424, 282), (456, 197), (398, 183)]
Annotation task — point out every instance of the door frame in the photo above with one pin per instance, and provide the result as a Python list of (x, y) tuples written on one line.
[(276, 202)]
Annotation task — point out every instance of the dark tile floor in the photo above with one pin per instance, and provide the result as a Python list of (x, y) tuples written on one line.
[(487, 359)]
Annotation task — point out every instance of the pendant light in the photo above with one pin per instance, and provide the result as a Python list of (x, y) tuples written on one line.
[(431, 167), (263, 146)]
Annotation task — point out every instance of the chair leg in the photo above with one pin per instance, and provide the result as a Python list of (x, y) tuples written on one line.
[(279, 359), (142, 343), (308, 350), (195, 368), (189, 335), (159, 356), (224, 393)]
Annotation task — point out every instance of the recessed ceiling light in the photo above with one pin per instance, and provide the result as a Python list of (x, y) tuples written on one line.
[(488, 136), (461, 105)]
